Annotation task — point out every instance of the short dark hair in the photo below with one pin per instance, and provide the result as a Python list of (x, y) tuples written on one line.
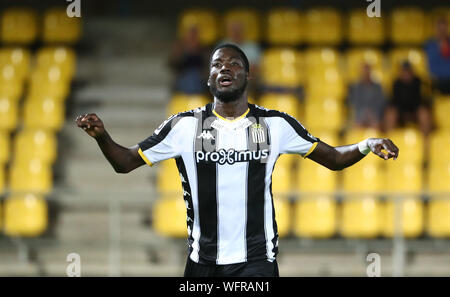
[(236, 48)]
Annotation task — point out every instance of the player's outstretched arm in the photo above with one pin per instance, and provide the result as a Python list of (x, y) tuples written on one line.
[(122, 159), (338, 158)]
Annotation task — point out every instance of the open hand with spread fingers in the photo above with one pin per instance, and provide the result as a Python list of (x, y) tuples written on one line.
[(377, 145), (92, 124)]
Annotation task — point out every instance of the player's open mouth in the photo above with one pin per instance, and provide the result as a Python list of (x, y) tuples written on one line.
[(225, 81)]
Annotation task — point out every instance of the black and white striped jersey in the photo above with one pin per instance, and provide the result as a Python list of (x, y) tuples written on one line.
[(226, 172)]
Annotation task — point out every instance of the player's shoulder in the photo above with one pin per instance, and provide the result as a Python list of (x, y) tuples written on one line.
[(270, 113), (191, 113)]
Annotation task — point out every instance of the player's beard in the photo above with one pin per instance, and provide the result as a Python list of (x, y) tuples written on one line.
[(227, 96)]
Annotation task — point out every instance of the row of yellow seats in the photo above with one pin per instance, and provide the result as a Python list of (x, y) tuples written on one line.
[(330, 107), (24, 26), (24, 215), (365, 177), (284, 26), (39, 112), (32, 175), (322, 217), (58, 63), (325, 71), (28, 144), (369, 175)]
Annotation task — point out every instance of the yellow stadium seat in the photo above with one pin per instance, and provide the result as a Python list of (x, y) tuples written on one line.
[(60, 28), (441, 110), (360, 24), (18, 57), (58, 56), (183, 102), (363, 177), (9, 75), (358, 134), (25, 215), (59, 90), (169, 216), (44, 113), (317, 59), (281, 179), (435, 14), (327, 136), (315, 216), (8, 114), (313, 177), (415, 56), (438, 216), (168, 178), (326, 83), (361, 217), (282, 67), (284, 27), (324, 77), (248, 18), (287, 103), (18, 26), (287, 161), (403, 177), (204, 20), (4, 148), (31, 176), (439, 177), (408, 25), (411, 213), (323, 26), (439, 142), (11, 90), (410, 142), (2, 182), (329, 109), (282, 215), (35, 144)]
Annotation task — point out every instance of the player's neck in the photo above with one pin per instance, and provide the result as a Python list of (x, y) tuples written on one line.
[(231, 110)]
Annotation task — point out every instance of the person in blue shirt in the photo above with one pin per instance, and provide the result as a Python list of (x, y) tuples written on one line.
[(438, 53)]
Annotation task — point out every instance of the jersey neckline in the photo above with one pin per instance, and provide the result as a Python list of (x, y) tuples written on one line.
[(231, 121)]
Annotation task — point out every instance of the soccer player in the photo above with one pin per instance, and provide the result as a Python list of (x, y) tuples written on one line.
[(225, 152)]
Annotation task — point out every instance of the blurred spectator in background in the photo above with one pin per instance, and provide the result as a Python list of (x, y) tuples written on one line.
[(438, 52), (235, 35), (367, 100), (188, 60), (407, 105)]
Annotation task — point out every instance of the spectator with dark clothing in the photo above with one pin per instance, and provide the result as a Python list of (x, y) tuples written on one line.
[(367, 101), (189, 62), (407, 105), (438, 53)]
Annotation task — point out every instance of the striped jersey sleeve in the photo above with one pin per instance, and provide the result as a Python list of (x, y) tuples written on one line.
[(294, 138), (163, 144)]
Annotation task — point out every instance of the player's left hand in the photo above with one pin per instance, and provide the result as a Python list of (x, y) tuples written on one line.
[(378, 145)]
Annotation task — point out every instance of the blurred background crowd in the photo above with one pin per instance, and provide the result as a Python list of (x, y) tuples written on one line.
[(342, 74)]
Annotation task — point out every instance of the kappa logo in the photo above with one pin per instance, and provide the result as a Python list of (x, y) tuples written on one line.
[(206, 135)]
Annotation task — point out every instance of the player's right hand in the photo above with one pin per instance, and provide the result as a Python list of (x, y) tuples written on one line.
[(92, 124)]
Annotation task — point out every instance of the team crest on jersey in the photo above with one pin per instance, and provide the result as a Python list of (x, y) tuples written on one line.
[(257, 132)]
